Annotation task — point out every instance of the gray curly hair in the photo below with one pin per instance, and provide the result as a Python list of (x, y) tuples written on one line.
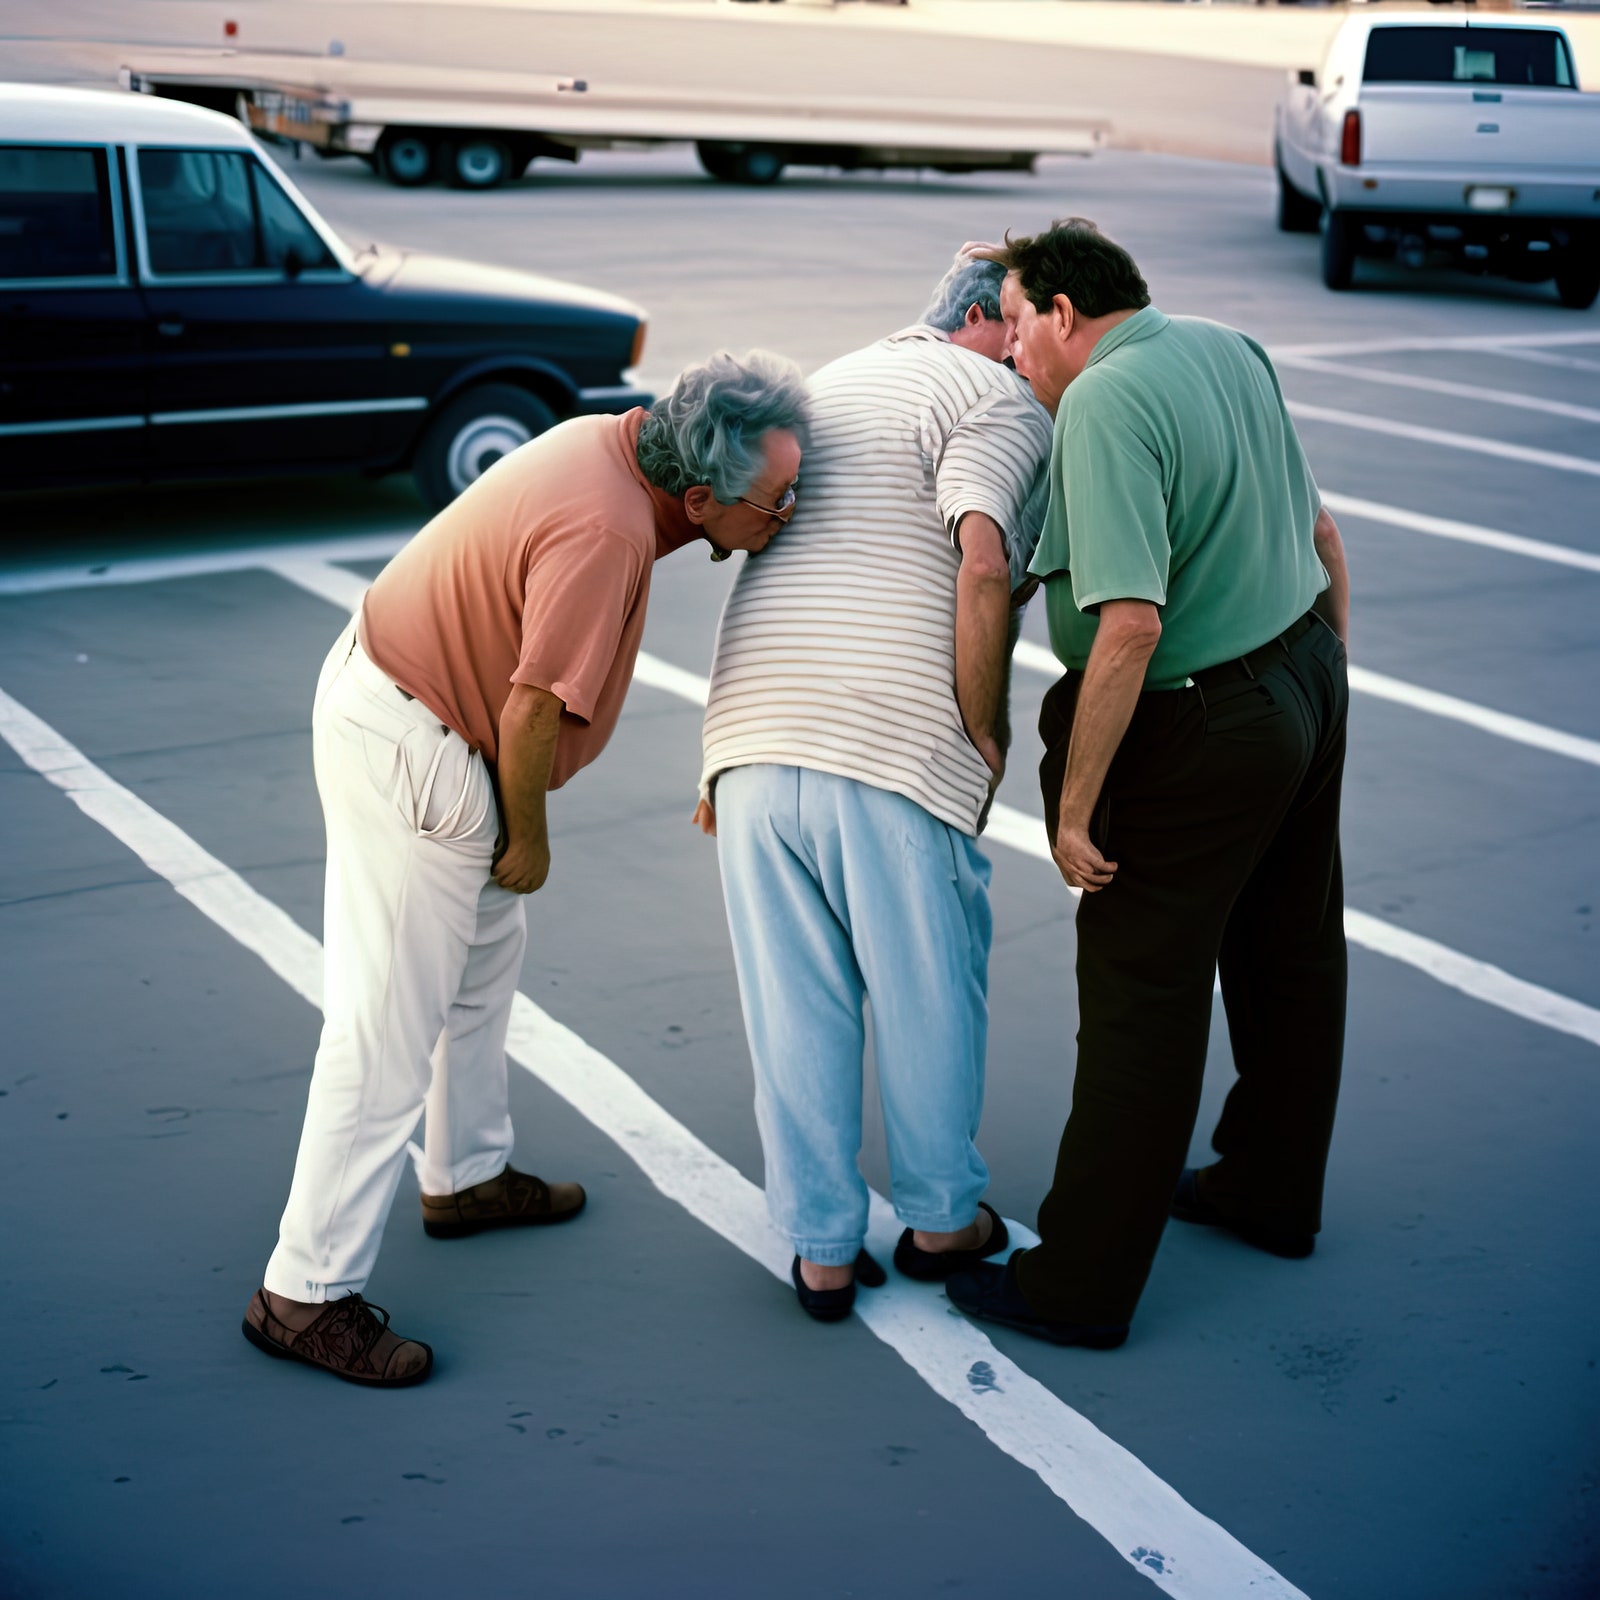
[(970, 281), (709, 429)]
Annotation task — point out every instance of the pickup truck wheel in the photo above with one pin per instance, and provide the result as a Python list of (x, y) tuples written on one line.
[(1297, 212), (482, 162), (1578, 282), (406, 159), (471, 433), (1338, 250)]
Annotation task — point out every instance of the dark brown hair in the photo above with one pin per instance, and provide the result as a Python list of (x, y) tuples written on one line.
[(1072, 257)]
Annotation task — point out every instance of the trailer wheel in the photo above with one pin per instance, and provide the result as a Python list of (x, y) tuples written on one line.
[(483, 161), (471, 433), (1578, 280), (1297, 212), (1338, 250), (753, 164), (406, 157)]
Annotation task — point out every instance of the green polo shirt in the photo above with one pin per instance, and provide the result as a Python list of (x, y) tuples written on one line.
[(1176, 477)]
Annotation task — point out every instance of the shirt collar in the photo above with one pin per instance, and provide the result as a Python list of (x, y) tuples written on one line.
[(919, 330), (1139, 326)]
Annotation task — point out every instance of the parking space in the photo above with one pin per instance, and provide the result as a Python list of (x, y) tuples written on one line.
[(634, 1406)]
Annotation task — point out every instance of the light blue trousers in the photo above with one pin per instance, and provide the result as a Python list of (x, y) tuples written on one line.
[(838, 891)]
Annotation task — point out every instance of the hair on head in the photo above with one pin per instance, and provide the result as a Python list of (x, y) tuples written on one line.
[(972, 280), (1072, 257), (709, 429)]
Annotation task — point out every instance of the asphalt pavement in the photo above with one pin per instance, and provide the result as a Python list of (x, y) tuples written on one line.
[(633, 1406)]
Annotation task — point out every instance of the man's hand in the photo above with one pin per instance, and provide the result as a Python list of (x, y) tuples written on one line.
[(1081, 864), (522, 867), (705, 819)]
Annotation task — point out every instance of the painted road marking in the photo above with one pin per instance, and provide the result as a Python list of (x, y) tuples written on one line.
[(1037, 659), (1148, 1523), (1461, 391), (1346, 505), (1026, 834), (1484, 343), (1476, 443), (1544, 358)]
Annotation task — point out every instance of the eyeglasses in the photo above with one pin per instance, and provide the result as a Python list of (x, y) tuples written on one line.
[(781, 511)]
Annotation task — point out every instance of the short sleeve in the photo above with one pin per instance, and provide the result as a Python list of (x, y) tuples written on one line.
[(1116, 508), (991, 462), (1302, 483), (579, 593)]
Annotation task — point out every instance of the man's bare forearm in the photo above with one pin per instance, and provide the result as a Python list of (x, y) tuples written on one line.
[(983, 620), (1333, 604), (1125, 640), (529, 728)]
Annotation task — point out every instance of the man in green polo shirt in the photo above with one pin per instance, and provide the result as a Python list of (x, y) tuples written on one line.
[(1197, 596)]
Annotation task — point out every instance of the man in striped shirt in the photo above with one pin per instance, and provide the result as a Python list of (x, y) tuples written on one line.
[(854, 736)]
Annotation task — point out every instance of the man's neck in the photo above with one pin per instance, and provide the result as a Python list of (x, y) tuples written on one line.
[(673, 528)]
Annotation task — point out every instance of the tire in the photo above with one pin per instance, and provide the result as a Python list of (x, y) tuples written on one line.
[(1578, 281), (1338, 250), (471, 433), (407, 157), (1297, 212), (754, 164), (479, 161)]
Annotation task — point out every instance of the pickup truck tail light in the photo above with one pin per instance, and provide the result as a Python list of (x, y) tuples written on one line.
[(1350, 140), (637, 353)]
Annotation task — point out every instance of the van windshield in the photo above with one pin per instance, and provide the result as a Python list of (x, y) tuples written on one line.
[(1523, 57)]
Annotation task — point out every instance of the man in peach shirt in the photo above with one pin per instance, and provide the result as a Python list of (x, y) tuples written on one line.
[(488, 663)]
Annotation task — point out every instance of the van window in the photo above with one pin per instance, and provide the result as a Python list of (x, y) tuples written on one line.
[(1516, 57), (55, 213), (218, 211)]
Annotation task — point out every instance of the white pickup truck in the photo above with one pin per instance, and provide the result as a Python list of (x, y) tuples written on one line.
[(1426, 136)]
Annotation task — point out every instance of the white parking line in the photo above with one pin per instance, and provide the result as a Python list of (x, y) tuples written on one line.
[(1486, 343), (1391, 428), (1459, 391), (1534, 734), (1147, 1522), (1544, 358), (1025, 833), (1348, 505)]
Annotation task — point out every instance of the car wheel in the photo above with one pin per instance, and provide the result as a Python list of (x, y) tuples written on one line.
[(1578, 281), (1297, 212), (479, 163), (406, 158), (473, 432), (1338, 250)]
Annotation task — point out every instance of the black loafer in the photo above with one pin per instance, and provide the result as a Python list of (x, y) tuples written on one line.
[(992, 1294), (934, 1266), (834, 1305), (1189, 1205)]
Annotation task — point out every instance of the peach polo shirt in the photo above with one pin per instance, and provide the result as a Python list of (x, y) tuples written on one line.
[(538, 574)]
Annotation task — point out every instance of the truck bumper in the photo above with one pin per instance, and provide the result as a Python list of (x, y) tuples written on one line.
[(1423, 192), (610, 400)]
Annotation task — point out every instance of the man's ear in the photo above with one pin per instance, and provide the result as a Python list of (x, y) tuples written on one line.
[(697, 501), (975, 317), (1066, 315)]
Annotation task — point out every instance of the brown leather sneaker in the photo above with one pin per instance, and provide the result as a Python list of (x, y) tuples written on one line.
[(513, 1200), (346, 1338)]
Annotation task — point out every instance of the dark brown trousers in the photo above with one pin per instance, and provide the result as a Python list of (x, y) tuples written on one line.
[(1221, 809)]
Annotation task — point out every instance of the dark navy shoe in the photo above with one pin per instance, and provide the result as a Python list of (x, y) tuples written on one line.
[(834, 1305), (1189, 1205), (992, 1294), (934, 1266)]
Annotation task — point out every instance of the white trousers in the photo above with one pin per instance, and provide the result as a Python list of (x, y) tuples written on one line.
[(422, 951)]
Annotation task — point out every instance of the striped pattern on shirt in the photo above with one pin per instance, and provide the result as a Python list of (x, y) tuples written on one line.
[(837, 645)]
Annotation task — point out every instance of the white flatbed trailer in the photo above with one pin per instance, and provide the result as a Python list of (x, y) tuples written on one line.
[(477, 128)]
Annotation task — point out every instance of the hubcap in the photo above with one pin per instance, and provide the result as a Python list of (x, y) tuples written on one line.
[(480, 444), (479, 164), (408, 159)]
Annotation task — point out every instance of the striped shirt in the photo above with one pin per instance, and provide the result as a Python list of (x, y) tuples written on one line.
[(837, 645)]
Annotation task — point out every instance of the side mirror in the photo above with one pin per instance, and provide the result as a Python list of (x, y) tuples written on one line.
[(1306, 78)]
